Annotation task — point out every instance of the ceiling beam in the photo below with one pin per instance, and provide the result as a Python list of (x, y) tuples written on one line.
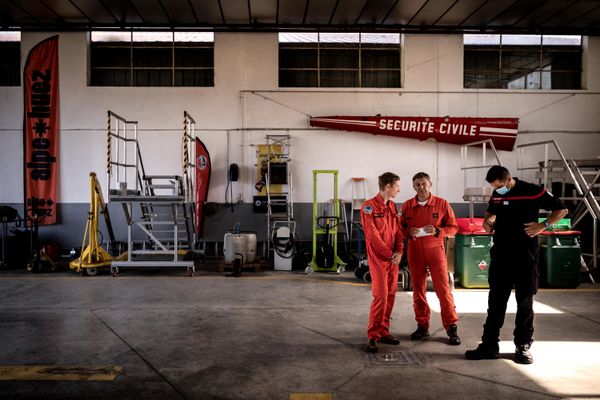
[(333, 12), (81, 11), (221, 10), (389, 12), (24, 10), (193, 11), (109, 11), (501, 12), (60, 18), (445, 12), (533, 9), (136, 11), (580, 15), (592, 30), (305, 12), (361, 11), (164, 10), (417, 13), (558, 12), (474, 11)]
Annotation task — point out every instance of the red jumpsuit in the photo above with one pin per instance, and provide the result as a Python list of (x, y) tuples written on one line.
[(428, 251), (383, 238)]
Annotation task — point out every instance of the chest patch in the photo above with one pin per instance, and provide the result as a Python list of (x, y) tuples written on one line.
[(435, 215), (378, 215), (505, 202)]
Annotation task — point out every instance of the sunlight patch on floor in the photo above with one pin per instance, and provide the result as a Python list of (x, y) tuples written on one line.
[(561, 367), (476, 303)]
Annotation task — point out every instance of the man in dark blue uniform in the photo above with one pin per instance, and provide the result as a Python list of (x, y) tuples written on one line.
[(512, 216)]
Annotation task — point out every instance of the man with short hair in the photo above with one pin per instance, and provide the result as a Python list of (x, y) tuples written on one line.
[(512, 216), (426, 219), (383, 237)]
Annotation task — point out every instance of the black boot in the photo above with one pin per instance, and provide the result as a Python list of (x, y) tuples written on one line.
[(453, 338), (522, 354), (483, 352), (420, 333), (389, 339), (372, 346)]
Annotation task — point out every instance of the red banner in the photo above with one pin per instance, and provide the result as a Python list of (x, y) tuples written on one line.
[(202, 181), (502, 131), (40, 131)]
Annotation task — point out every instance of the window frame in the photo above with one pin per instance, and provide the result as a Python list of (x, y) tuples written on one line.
[(359, 46), (540, 51), (132, 45), (14, 67)]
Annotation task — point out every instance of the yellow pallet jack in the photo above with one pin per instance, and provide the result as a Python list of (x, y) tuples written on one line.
[(93, 256)]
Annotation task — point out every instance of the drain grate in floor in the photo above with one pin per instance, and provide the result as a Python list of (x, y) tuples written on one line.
[(402, 357)]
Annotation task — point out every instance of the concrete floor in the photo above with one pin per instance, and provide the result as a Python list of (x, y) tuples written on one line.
[(274, 335)]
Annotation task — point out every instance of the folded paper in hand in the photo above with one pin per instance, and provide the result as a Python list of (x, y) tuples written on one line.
[(422, 233)]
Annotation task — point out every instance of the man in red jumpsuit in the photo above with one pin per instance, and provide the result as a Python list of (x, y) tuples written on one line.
[(426, 219), (379, 218)]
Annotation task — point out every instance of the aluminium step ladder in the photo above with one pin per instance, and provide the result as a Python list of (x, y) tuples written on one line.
[(157, 207)]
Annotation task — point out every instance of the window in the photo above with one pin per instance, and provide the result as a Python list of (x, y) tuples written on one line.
[(522, 62), (152, 59), (339, 60), (10, 54)]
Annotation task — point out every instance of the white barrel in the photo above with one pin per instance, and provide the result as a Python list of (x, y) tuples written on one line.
[(250, 247), (233, 243)]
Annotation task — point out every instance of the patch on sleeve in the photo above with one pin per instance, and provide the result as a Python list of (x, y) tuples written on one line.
[(368, 209)]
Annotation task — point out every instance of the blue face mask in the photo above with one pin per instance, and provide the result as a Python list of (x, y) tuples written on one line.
[(502, 191)]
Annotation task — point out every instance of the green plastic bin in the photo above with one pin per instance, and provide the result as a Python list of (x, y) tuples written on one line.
[(472, 260), (560, 259), (562, 225)]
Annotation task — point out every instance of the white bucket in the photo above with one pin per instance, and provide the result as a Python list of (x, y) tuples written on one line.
[(233, 243)]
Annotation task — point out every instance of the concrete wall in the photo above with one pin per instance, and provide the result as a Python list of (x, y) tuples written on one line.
[(247, 102)]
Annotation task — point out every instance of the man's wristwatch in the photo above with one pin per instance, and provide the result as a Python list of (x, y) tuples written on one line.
[(437, 232), (546, 224)]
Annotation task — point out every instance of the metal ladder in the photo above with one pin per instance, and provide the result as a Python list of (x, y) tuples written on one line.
[(359, 195), (280, 205), (165, 201), (477, 194), (585, 177)]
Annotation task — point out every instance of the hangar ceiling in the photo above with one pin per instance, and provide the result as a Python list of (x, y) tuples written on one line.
[(580, 17)]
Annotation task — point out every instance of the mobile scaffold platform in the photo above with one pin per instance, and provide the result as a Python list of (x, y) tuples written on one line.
[(161, 207)]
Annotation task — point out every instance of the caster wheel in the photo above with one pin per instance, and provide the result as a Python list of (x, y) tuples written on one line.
[(367, 277), (190, 272), (91, 271), (340, 269), (115, 272), (404, 280), (309, 270)]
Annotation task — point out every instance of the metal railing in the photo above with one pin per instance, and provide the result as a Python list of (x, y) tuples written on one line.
[(479, 193), (583, 188), (124, 165), (189, 157)]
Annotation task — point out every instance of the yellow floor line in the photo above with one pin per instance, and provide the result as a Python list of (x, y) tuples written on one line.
[(58, 373)]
